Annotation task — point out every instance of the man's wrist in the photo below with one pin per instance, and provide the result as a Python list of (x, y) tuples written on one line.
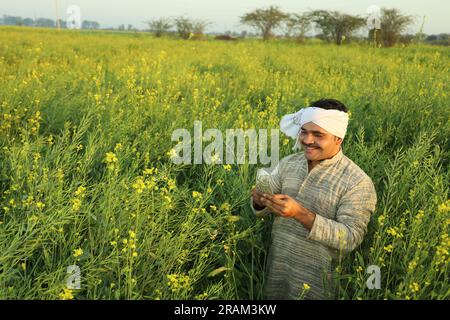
[(305, 217)]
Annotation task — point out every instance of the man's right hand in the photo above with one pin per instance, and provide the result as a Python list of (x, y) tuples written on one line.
[(257, 196)]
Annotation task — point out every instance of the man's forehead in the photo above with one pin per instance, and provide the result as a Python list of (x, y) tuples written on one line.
[(312, 127)]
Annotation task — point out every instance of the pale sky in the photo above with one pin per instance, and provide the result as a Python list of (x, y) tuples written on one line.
[(223, 14)]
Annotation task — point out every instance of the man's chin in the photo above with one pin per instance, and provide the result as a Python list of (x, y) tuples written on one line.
[(309, 157), (311, 154)]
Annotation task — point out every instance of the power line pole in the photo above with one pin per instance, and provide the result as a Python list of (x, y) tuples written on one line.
[(56, 12)]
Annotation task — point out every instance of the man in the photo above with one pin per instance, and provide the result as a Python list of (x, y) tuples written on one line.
[(322, 203)]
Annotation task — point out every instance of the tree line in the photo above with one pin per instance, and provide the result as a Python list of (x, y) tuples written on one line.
[(386, 28), (44, 22)]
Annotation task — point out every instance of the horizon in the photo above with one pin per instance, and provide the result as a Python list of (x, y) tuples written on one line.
[(222, 16)]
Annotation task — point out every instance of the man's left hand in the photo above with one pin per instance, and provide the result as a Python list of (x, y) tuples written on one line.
[(286, 207)]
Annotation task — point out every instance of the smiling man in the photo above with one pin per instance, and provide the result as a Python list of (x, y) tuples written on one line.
[(322, 202)]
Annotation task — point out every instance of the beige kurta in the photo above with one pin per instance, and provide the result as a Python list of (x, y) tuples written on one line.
[(343, 198)]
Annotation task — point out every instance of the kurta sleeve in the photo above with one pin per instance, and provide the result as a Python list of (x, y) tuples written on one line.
[(259, 213), (353, 215)]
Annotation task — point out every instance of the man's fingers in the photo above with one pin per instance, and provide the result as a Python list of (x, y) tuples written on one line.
[(276, 198), (257, 193), (272, 205), (280, 196)]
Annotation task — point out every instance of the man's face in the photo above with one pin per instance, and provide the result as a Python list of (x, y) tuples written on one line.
[(323, 144)]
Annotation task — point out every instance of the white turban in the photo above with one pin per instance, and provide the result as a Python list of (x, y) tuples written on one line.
[(331, 120)]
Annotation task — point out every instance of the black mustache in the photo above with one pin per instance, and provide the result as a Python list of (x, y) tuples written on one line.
[(310, 146)]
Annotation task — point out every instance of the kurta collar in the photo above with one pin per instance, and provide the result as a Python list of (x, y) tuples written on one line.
[(338, 156)]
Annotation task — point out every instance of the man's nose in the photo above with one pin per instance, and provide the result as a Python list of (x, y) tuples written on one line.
[(308, 139)]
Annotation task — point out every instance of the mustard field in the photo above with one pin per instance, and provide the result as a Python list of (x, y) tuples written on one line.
[(90, 196)]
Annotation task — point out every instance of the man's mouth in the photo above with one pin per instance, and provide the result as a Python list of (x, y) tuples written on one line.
[(310, 148)]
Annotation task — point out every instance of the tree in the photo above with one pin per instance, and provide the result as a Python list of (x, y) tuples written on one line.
[(12, 20), (28, 22), (265, 20), (95, 25), (336, 26), (439, 39), (159, 26), (188, 28), (393, 24), (298, 25), (184, 27), (199, 27), (87, 24), (44, 22)]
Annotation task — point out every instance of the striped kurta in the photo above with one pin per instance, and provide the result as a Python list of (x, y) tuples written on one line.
[(343, 197)]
